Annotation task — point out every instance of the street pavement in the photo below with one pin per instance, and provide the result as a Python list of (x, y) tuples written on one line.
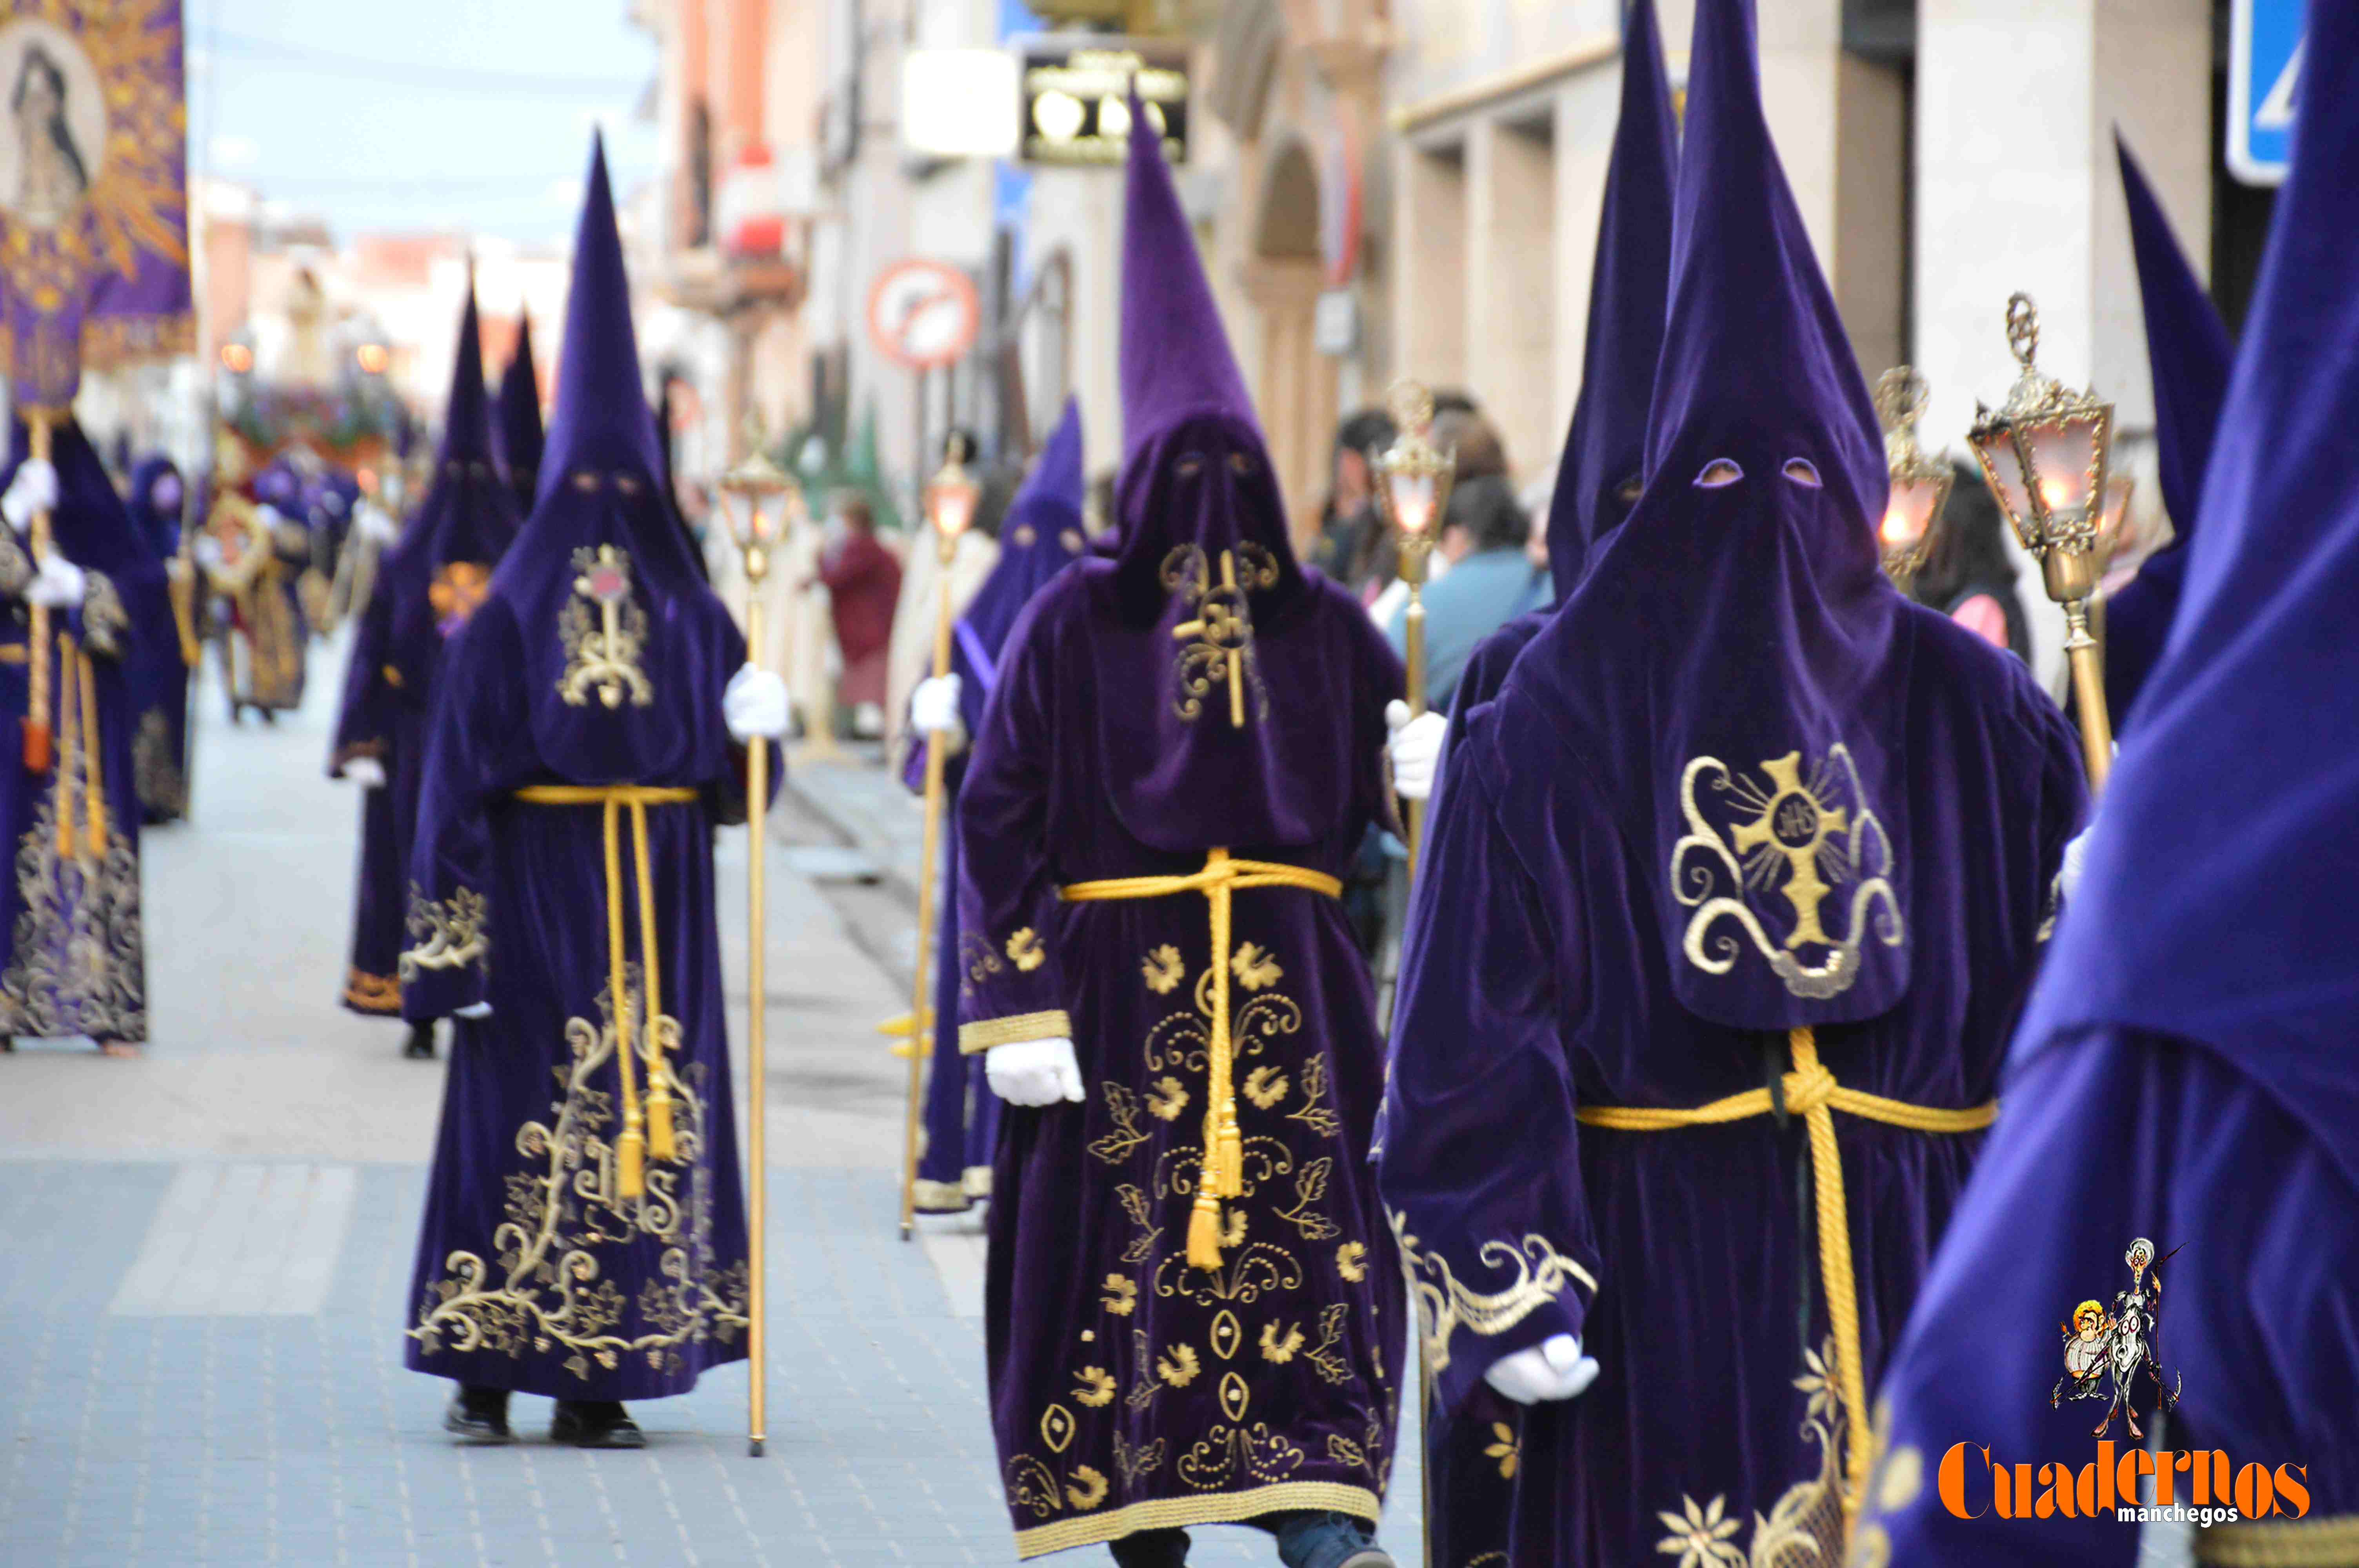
[(209, 1248)]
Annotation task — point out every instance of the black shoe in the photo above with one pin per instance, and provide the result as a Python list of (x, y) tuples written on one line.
[(1150, 1549), (478, 1415), (421, 1042), (270, 718), (595, 1424)]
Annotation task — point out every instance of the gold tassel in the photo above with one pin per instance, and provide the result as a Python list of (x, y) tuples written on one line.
[(94, 797), (1204, 1232), (1228, 1165), (630, 1160), (661, 1142)]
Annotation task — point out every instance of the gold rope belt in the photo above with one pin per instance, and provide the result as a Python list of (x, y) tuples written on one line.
[(1811, 1091), (651, 1135), (1223, 1175)]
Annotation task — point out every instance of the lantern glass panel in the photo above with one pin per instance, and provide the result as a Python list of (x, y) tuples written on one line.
[(2064, 454), (1413, 500), (2004, 471)]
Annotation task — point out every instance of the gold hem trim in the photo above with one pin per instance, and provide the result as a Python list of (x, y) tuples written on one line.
[(1218, 1507), (373, 993), (939, 1197), (1014, 1030), (2280, 1543)]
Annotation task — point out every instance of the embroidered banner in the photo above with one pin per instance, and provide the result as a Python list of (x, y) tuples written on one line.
[(93, 190)]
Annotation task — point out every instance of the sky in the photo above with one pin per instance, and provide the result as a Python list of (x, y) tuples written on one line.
[(404, 116)]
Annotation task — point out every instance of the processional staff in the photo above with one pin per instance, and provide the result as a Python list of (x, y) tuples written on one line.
[(1413, 487)]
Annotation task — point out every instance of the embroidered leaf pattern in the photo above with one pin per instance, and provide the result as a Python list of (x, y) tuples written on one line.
[(1166, 1097), (1163, 969), (1328, 1356), (1310, 1187), (1179, 1365), (1142, 1393), (1266, 1087), (1504, 1449), (1279, 1350), (1314, 1112), (1254, 968), (1343, 1451), (1116, 1146), (1142, 1245), (1136, 1462)]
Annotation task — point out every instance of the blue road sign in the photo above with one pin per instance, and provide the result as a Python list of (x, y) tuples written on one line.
[(2263, 87)]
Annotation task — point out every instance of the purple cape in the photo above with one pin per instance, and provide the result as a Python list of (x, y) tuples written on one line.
[(1610, 916)]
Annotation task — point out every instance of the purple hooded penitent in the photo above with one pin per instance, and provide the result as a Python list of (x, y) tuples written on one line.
[(2187, 345), (2187, 1067), (1738, 808), (517, 433), (1602, 468), (427, 584), (1194, 694), (1040, 536), (597, 659), (69, 920)]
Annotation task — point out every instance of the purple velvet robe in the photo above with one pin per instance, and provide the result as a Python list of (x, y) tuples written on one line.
[(159, 742), (1128, 1389), (599, 659), (75, 959)]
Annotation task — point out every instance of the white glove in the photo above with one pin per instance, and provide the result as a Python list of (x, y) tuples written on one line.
[(755, 705), (474, 1010), (207, 551), (59, 585), (934, 705), (1415, 747), (366, 772), (35, 489), (375, 524), (1553, 1370), (1034, 1072), (2068, 877), (270, 515)]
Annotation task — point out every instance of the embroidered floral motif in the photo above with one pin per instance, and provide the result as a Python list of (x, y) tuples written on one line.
[(1310, 1187), (1266, 1087), (1805, 1527), (1327, 1356), (1142, 1245), (1314, 1112), (1179, 1365), (1167, 1099), (76, 967), (1504, 1449), (1164, 969), (1798, 834), (453, 932), (1350, 1260), (1254, 967), (603, 649), (1278, 1348), (1226, 1450), (1122, 1105), (1121, 1293), (545, 1284), (1087, 1489), (1444, 1305), (1024, 950), (1134, 1461), (979, 961), (1699, 1537), (1093, 1386)]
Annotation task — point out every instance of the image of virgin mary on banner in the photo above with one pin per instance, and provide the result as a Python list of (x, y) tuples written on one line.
[(93, 190)]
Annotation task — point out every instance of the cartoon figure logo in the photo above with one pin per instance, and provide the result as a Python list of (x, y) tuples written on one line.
[(2105, 1351)]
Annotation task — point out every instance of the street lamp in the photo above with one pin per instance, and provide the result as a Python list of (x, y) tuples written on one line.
[(1920, 485), (2043, 454), (950, 498), (1413, 485), (750, 491)]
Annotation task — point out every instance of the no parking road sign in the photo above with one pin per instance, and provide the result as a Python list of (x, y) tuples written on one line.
[(923, 314), (2263, 87)]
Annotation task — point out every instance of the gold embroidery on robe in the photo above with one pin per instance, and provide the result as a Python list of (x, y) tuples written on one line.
[(453, 932), (1804, 1528), (1804, 839), (604, 629), (458, 587), (1444, 1305), (77, 967), (548, 1288), (103, 619), (1219, 643)]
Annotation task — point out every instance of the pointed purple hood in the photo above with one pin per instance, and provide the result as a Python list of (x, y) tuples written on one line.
[(2215, 906), (518, 432), (2187, 345), (1598, 478), (1759, 659), (468, 514), (1040, 536)]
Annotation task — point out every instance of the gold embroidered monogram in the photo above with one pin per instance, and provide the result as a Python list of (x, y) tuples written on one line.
[(1802, 839), (602, 649), (1444, 1305), (1218, 642), (562, 1219), (453, 931)]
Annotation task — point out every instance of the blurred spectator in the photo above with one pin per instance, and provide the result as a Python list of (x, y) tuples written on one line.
[(1489, 582), (863, 581), (1352, 527), (1971, 578)]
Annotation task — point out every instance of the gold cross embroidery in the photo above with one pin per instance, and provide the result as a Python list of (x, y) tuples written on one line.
[(1794, 825), (1221, 631)]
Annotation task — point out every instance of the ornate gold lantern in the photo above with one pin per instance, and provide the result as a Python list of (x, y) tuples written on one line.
[(1920, 485)]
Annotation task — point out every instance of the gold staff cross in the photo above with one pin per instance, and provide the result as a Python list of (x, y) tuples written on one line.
[(1795, 824)]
